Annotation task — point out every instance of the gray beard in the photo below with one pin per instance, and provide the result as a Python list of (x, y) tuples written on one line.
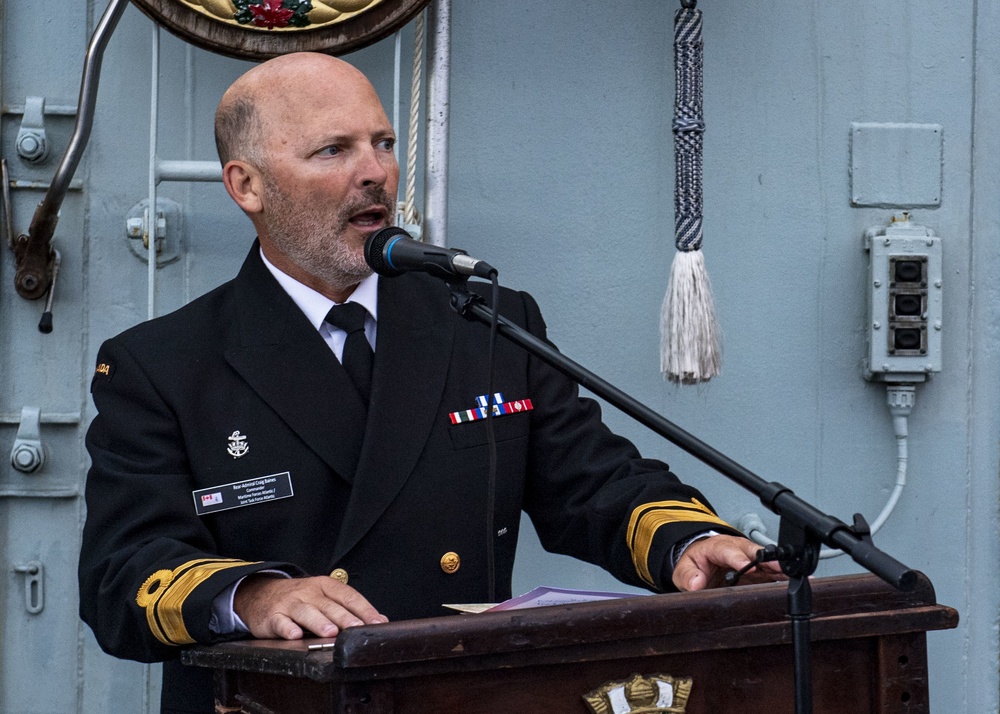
[(314, 245)]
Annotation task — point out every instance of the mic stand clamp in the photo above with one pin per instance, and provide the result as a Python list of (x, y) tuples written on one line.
[(462, 299)]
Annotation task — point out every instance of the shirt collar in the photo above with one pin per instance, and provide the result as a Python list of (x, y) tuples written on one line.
[(314, 304)]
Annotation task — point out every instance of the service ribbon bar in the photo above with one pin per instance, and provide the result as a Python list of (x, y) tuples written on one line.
[(500, 408)]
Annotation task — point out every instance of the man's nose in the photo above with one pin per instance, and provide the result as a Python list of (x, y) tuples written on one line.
[(374, 168)]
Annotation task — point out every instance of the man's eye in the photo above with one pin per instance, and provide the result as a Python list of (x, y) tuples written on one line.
[(386, 144), (330, 150)]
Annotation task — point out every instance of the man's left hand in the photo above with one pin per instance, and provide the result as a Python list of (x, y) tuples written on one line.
[(705, 563)]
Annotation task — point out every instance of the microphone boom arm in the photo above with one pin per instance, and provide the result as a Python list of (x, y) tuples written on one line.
[(796, 514)]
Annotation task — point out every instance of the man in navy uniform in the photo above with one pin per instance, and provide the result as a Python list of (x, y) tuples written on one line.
[(243, 483)]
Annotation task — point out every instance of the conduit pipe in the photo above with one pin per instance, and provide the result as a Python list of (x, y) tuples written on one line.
[(900, 398), (438, 92), (183, 170)]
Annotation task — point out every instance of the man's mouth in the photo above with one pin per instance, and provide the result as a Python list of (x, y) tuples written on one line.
[(369, 218)]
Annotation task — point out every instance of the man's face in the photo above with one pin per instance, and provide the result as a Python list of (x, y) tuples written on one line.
[(330, 179)]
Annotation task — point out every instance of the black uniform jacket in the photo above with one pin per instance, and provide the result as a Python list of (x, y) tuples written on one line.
[(383, 497)]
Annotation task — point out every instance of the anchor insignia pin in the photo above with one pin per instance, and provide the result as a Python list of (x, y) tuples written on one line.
[(237, 445)]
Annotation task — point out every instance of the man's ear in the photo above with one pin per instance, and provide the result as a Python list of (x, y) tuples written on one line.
[(245, 185)]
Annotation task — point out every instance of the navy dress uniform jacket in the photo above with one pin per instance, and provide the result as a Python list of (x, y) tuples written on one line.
[(382, 496)]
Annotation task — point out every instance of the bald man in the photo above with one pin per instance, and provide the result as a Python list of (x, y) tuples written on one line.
[(242, 485)]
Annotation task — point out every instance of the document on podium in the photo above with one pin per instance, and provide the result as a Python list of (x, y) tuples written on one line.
[(543, 596)]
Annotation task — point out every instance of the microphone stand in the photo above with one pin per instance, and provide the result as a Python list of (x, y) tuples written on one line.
[(802, 530)]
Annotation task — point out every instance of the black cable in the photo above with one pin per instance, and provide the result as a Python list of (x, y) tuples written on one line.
[(491, 496)]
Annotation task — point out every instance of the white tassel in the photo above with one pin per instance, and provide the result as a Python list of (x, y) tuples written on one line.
[(690, 338)]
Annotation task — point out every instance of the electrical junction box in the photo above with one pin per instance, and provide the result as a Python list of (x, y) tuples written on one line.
[(904, 303)]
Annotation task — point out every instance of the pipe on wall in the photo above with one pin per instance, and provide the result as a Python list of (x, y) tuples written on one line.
[(438, 87)]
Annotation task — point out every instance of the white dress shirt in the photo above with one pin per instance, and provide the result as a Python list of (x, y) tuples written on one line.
[(315, 306)]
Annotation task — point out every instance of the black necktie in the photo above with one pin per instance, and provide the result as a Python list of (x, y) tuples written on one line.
[(358, 356)]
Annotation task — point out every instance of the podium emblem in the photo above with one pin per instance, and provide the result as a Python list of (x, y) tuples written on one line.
[(650, 694)]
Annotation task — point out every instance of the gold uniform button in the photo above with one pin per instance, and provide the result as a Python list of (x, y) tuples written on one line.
[(450, 562), (341, 575)]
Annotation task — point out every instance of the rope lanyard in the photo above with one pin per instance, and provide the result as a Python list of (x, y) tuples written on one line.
[(410, 214), (689, 127), (690, 338)]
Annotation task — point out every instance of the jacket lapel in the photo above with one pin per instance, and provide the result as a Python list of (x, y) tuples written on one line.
[(415, 336), (285, 360)]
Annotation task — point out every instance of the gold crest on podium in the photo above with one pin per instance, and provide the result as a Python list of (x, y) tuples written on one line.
[(650, 694)]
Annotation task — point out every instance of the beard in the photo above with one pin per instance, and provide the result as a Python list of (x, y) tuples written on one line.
[(315, 240)]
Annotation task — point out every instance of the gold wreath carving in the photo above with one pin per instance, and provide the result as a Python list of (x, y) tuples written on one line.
[(323, 12), (261, 29)]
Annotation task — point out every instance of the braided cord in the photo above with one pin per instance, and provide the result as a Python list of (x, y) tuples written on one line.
[(689, 126), (410, 214)]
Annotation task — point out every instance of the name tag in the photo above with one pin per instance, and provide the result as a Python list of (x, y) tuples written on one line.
[(242, 493)]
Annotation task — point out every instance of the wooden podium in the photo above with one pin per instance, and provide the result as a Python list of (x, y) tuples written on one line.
[(869, 655)]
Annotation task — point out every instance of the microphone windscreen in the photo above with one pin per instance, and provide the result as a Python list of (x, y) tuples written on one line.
[(375, 253)]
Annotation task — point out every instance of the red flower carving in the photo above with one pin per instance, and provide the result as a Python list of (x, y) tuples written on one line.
[(269, 13)]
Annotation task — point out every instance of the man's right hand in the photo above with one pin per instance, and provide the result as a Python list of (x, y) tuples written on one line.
[(281, 608)]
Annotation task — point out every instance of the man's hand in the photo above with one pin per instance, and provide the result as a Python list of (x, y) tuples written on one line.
[(706, 561), (282, 608)]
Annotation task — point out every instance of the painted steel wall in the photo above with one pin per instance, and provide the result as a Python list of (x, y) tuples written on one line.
[(562, 176)]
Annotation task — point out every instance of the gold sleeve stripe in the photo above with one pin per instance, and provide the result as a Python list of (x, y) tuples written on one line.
[(647, 519), (164, 592)]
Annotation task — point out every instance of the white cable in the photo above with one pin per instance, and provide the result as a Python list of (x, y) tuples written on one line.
[(900, 398)]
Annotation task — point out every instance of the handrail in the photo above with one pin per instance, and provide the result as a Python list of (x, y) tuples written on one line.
[(34, 250)]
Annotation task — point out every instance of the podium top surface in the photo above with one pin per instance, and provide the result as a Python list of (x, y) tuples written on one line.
[(745, 616)]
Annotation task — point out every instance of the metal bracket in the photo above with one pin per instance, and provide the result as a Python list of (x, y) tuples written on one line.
[(34, 257), (28, 454), (34, 585), (168, 233), (32, 144)]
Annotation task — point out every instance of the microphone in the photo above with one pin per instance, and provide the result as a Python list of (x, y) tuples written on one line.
[(391, 252)]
